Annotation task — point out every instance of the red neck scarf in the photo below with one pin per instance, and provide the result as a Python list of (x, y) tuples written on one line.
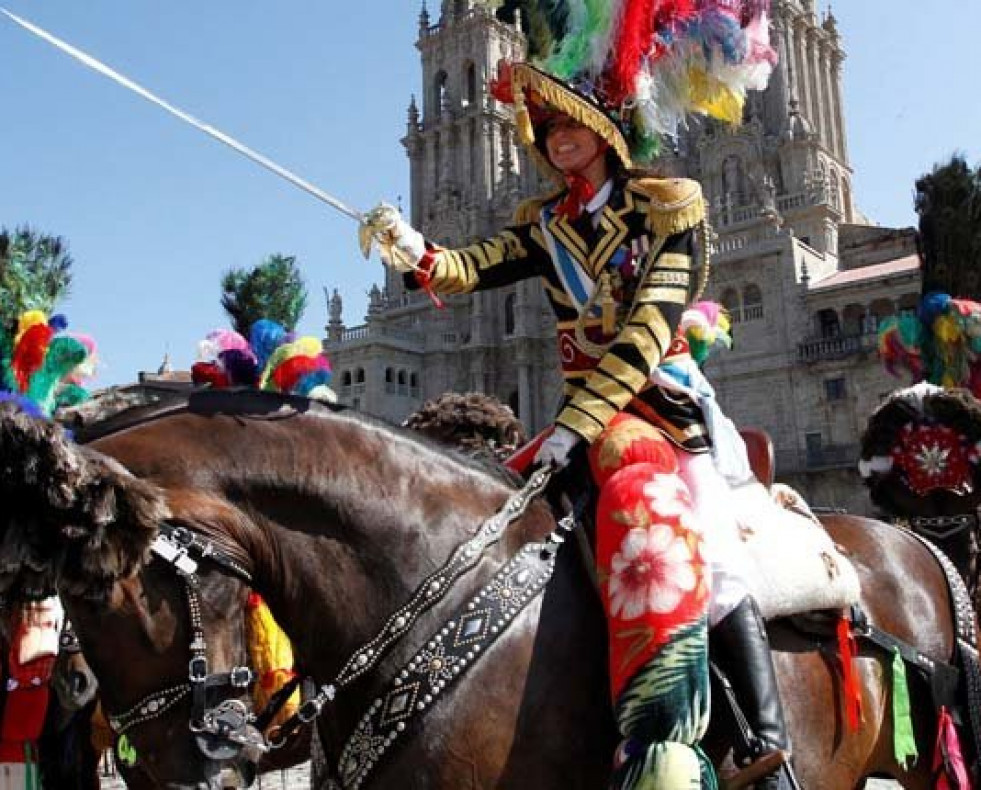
[(581, 189)]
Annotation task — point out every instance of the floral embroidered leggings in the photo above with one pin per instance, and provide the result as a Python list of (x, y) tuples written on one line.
[(656, 587)]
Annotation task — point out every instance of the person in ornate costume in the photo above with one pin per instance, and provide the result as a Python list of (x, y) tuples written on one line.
[(621, 253)]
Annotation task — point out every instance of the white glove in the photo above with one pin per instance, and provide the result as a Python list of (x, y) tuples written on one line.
[(400, 245), (556, 448)]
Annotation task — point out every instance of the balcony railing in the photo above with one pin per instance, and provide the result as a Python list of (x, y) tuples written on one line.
[(836, 347)]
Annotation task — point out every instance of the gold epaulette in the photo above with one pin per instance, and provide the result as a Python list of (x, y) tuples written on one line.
[(530, 210), (676, 203)]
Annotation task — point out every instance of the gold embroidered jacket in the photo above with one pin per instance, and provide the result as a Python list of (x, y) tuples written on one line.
[(642, 248)]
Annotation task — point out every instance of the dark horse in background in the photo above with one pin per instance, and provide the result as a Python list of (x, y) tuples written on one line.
[(338, 519), (922, 464)]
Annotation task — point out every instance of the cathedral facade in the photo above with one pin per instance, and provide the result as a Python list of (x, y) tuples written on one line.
[(805, 276)]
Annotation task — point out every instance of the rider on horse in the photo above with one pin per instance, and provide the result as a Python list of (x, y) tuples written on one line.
[(617, 251)]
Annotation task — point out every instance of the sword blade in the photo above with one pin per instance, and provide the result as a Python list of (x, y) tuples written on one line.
[(211, 131)]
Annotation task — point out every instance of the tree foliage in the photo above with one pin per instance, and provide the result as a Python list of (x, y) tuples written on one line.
[(274, 289), (948, 201), (35, 272)]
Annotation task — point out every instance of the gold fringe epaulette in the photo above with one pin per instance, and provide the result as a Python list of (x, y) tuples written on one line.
[(676, 203), (530, 210)]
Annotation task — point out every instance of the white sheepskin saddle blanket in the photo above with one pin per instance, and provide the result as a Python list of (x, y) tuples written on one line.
[(795, 566)]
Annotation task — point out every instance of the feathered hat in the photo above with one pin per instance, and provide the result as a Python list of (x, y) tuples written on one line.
[(633, 70)]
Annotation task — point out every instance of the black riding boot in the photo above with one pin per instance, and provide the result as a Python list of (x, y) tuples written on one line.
[(740, 647)]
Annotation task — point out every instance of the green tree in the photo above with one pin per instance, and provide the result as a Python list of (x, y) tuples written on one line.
[(35, 272), (274, 289), (948, 201)]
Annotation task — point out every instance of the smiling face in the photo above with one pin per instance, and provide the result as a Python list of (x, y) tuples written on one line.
[(572, 147)]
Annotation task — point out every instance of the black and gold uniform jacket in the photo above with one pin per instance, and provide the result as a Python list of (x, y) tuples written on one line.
[(642, 248)]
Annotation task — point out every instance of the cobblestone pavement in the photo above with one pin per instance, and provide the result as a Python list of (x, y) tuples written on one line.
[(299, 778)]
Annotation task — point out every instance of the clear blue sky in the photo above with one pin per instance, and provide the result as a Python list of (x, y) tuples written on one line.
[(155, 212)]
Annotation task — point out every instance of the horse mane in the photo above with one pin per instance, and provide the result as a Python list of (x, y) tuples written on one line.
[(72, 519)]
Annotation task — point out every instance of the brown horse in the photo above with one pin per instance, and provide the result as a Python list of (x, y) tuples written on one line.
[(337, 519)]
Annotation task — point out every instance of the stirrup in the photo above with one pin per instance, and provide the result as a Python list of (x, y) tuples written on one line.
[(763, 766)]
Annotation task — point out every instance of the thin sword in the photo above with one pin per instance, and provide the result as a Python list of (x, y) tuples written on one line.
[(209, 130)]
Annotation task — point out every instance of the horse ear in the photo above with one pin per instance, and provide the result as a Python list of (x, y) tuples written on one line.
[(72, 519)]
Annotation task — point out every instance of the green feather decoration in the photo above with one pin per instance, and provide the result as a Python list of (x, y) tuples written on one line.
[(65, 353)]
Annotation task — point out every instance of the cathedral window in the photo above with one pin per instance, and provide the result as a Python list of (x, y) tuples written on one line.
[(414, 385), (470, 85), (835, 389), (827, 323), (440, 94), (835, 190), (389, 381), (509, 324), (346, 384), (752, 303), (730, 301), (403, 384)]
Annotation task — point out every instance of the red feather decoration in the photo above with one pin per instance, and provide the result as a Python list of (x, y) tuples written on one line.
[(29, 354), (633, 42), (209, 373), (286, 375), (668, 16)]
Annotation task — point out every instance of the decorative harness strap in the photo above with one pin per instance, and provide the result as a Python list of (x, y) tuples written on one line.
[(473, 627), (430, 592), (966, 636), (938, 527)]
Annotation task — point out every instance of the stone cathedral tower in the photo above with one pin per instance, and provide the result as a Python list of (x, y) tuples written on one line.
[(804, 275), (467, 176)]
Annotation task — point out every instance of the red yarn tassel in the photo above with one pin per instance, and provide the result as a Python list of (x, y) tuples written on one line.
[(850, 688), (948, 759)]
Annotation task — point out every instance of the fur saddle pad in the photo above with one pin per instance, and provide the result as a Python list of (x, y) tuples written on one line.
[(795, 566)]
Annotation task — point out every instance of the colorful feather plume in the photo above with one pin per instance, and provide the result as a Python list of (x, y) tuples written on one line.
[(705, 325), (43, 365), (272, 359), (941, 343), (651, 63)]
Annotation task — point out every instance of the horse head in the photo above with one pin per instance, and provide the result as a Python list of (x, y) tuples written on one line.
[(78, 522)]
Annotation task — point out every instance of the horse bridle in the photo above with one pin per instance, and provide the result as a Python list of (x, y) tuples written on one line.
[(222, 731)]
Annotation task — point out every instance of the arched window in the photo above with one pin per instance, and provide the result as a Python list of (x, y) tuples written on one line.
[(752, 303), (470, 85), (359, 376), (730, 301), (879, 310), (389, 381), (509, 302), (346, 380), (440, 97), (826, 323), (403, 385), (414, 385), (835, 190)]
